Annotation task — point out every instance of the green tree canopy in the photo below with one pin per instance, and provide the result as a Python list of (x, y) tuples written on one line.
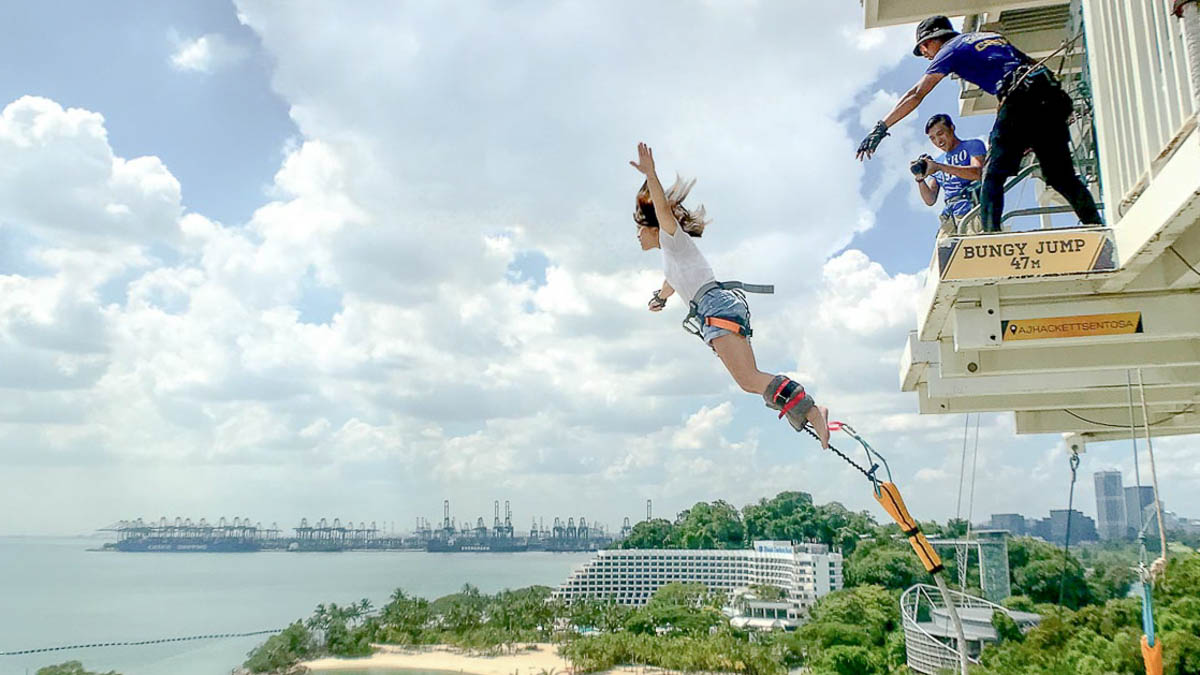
[(889, 563), (1102, 639), (715, 525), (295, 643), (657, 533)]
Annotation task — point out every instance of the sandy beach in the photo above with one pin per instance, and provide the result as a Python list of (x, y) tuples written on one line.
[(533, 661)]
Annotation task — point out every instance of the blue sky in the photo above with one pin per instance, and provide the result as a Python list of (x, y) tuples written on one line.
[(386, 258), (222, 134)]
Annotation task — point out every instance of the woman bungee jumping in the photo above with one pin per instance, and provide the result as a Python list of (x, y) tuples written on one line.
[(719, 313)]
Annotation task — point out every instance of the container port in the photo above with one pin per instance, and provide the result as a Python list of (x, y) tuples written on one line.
[(241, 535)]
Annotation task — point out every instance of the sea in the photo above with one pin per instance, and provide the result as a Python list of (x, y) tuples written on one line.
[(55, 591)]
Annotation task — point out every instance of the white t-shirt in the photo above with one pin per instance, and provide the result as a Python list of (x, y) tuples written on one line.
[(684, 266)]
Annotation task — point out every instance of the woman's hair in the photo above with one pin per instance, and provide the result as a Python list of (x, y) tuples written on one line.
[(692, 222)]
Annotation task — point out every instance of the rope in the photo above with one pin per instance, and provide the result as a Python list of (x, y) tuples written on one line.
[(1137, 472), (962, 467), (1162, 530), (138, 643), (868, 473), (876, 460), (974, 466), (1062, 578)]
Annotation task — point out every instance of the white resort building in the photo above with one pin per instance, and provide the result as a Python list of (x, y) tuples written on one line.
[(804, 572)]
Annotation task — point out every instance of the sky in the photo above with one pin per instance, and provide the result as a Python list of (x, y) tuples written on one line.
[(280, 260)]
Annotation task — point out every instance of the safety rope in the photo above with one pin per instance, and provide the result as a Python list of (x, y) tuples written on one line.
[(1152, 649), (1062, 577), (888, 496), (869, 474), (974, 467), (962, 467), (1162, 530)]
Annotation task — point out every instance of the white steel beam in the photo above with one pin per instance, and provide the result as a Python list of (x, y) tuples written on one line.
[(1066, 359), (1123, 435), (1170, 205), (1017, 386), (1164, 316), (1085, 420), (878, 13), (1112, 397)]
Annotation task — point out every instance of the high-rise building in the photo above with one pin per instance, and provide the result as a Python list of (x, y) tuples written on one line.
[(1014, 523), (1110, 505), (1137, 498), (1054, 528)]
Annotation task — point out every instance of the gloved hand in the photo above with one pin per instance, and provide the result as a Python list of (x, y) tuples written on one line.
[(656, 303), (872, 141)]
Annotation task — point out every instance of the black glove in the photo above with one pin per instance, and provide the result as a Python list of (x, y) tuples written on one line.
[(872, 141), (657, 302)]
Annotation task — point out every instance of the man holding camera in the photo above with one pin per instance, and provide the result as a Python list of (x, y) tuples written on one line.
[(955, 174), (1033, 115)]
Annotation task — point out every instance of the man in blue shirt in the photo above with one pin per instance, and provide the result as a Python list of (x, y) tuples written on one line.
[(955, 174), (1033, 113)]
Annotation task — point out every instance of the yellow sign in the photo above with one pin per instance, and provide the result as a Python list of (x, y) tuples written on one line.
[(1026, 254), (1123, 323)]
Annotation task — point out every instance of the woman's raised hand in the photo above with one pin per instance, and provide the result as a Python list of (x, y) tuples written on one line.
[(645, 160)]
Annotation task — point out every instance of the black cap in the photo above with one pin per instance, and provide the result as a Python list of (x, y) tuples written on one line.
[(933, 27)]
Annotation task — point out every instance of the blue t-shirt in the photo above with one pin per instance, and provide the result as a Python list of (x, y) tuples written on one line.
[(953, 186), (983, 59)]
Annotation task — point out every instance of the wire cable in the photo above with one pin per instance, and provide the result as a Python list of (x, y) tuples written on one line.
[(962, 467), (1191, 407), (1062, 577)]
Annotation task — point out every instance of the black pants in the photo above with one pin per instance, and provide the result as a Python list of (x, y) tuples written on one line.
[(1034, 117)]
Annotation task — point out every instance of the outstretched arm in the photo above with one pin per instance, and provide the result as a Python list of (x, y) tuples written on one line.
[(912, 98), (662, 210), (907, 103)]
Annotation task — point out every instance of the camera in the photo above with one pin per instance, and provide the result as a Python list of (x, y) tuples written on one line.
[(919, 166)]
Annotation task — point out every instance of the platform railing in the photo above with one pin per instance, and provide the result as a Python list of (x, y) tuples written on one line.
[(1144, 102)]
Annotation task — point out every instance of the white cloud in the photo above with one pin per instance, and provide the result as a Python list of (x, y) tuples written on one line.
[(436, 146), (62, 182), (206, 54)]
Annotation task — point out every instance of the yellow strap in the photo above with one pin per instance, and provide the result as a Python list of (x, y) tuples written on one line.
[(889, 498), (1152, 656)]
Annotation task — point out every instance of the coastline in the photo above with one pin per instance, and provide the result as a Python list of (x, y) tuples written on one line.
[(540, 658), (531, 659)]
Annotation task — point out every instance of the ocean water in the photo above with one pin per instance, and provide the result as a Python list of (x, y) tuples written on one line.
[(55, 592)]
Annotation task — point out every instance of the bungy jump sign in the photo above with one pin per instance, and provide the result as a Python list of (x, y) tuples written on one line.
[(1040, 253)]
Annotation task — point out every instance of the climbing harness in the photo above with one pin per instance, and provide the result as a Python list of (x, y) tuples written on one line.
[(694, 321), (888, 496), (1016, 80), (1062, 577)]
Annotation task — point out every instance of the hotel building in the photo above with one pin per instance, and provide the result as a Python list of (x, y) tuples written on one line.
[(804, 572)]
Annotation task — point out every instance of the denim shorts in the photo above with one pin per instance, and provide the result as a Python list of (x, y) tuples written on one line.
[(725, 304)]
